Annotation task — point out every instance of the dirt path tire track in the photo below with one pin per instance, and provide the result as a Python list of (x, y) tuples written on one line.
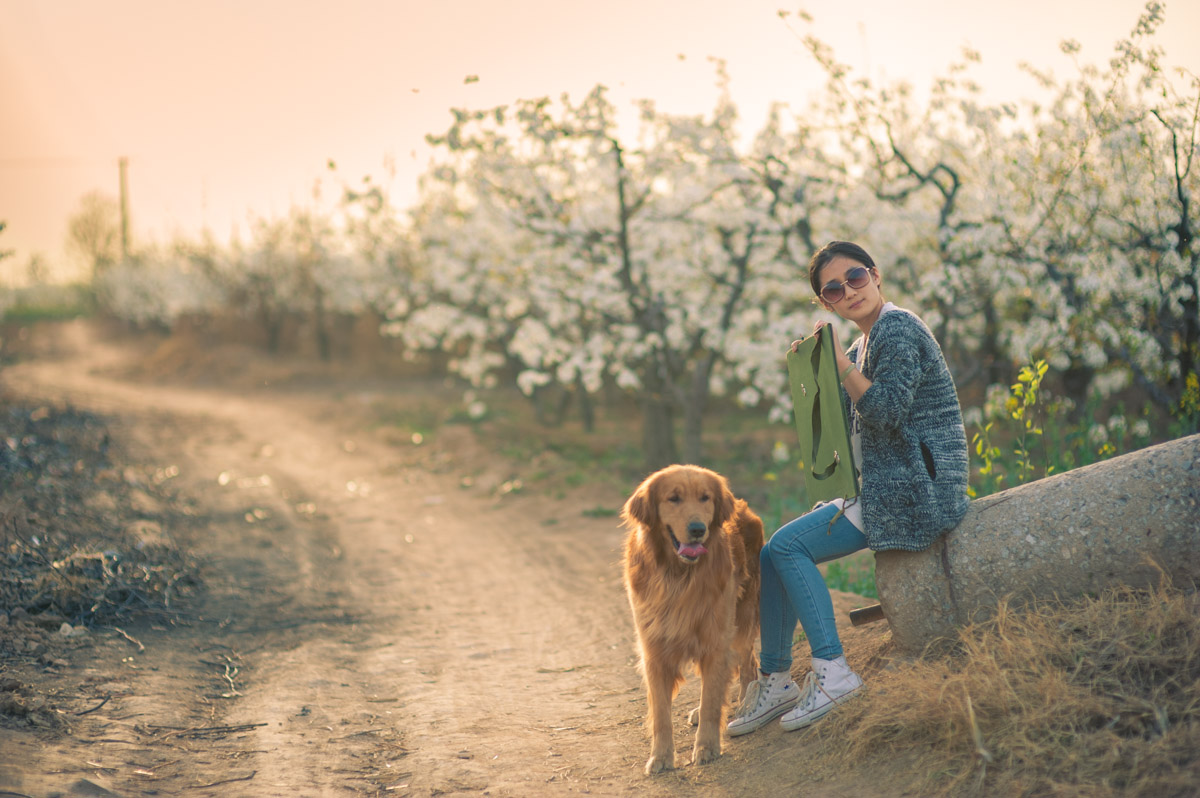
[(389, 632)]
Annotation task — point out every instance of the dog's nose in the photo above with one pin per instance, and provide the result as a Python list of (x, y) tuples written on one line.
[(696, 529)]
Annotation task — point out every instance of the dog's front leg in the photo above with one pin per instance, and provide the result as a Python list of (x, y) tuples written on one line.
[(660, 689), (715, 672)]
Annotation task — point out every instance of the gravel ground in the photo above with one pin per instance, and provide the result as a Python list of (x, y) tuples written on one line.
[(86, 546)]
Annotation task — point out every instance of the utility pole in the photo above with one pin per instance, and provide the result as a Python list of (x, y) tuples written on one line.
[(123, 163)]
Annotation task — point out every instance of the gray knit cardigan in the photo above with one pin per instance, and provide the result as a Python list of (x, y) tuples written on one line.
[(914, 446)]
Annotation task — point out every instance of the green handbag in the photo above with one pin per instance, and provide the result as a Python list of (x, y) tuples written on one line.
[(825, 452)]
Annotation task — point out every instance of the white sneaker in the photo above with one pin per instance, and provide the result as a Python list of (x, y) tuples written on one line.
[(766, 698), (829, 683)]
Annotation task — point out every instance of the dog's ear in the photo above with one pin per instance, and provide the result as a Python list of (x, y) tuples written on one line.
[(723, 500), (641, 508)]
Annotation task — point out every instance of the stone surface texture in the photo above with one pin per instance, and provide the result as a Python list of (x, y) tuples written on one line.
[(1124, 521)]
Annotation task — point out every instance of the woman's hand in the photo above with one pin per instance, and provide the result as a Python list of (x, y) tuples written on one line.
[(839, 356)]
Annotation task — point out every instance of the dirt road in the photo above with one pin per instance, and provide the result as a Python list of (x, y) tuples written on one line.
[(374, 623)]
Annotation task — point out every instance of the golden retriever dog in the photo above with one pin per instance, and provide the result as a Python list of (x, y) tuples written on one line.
[(691, 572)]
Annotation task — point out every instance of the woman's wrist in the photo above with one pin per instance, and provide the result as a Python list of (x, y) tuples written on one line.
[(846, 371)]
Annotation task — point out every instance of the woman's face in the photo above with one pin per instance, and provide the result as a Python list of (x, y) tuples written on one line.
[(856, 304)]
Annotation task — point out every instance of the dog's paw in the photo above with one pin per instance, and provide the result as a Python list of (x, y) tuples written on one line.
[(660, 762), (694, 717), (703, 754)]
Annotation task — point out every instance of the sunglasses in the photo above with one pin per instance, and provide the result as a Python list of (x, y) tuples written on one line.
[(834, 292)]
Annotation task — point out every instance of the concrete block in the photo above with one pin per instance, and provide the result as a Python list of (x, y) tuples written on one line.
[(1067, 535)]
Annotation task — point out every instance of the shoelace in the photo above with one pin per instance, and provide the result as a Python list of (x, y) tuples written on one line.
[(750, 701), (808, 696)]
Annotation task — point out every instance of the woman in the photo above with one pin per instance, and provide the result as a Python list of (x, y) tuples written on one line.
[(911, 449)]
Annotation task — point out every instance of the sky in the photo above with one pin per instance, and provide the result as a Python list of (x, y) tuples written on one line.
[(230, 110)]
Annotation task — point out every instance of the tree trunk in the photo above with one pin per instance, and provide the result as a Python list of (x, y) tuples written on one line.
[(587, 408), (1077, 384), (693, 412), (658, 433), (550, 403), (693, 423), (321, 319), (273, 327)]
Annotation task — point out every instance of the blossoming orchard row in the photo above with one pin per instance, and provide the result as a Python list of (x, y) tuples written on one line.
[(549, 245)]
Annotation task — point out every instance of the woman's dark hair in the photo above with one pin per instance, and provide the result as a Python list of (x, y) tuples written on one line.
[(835, 249)]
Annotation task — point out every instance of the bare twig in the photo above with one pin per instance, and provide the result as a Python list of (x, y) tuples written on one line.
[(123, 634), (253, 773), (93, 709), (204, 731), (356, 734), (231, 670), (977, 734)]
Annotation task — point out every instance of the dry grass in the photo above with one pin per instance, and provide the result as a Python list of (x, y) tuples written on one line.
[(82, 539), (1099, 697)]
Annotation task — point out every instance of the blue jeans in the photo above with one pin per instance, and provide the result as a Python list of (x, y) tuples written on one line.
[(792, 587)]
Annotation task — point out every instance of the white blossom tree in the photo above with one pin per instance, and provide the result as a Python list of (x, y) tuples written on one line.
[(577, 260), (160, 285), (1061, 230), (662, 267)]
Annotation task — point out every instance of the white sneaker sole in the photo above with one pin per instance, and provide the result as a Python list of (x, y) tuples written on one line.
[(815, 715), (762, 720)]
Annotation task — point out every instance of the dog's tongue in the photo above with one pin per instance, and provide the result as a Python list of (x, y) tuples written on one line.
[(692, 549)]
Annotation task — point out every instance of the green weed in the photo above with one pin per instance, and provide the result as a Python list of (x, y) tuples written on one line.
[(855, 574), (601, 512), (1030, 434), (1187, 417)]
